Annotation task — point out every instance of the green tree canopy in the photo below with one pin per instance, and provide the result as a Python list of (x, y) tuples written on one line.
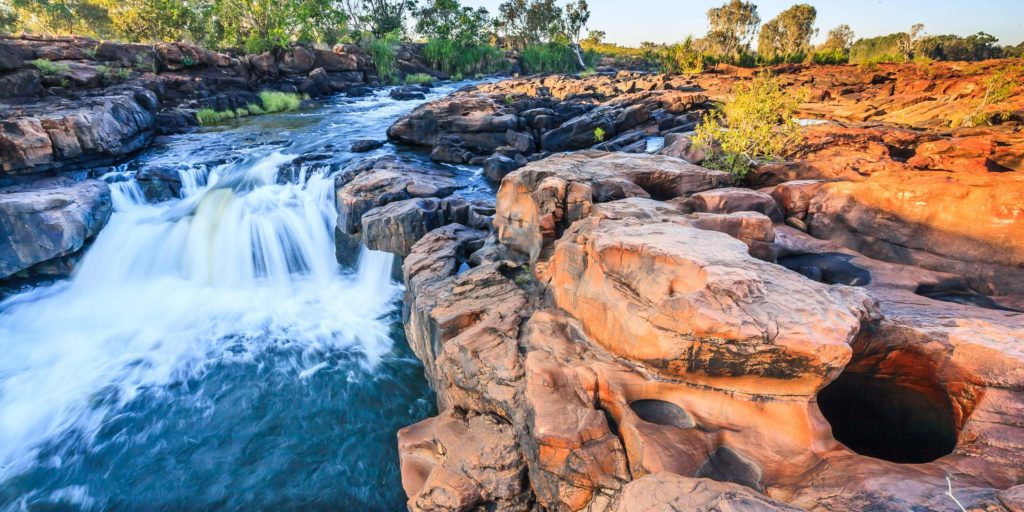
[(732, 26)]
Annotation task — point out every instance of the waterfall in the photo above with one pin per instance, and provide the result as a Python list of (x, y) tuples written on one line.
[(241, 264)]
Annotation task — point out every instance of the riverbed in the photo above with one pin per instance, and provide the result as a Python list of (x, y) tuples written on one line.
[(210, 352)]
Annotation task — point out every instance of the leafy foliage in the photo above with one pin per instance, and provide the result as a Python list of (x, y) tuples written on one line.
[(788, 34), (732, 27), (599, 134), (675, 58), (756, 125), (998, 88)]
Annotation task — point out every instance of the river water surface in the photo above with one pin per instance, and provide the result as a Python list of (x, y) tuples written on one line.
[(209, 353)]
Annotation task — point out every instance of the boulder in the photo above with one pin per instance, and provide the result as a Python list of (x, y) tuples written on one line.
[(385, 181), (496, 167), (91, 131), (296, 60), (538, 202), (365, 145), (462, 463), (48, 219), (21, 83), (732, 200)]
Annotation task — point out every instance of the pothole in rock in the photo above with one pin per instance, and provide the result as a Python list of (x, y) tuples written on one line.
[(725, 465), (960, 293), (905, 422), (660, 412), (828, 268)]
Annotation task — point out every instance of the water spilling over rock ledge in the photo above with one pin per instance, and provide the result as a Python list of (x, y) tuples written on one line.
[(621, 330)]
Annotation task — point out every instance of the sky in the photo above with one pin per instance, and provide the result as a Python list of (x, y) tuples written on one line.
[(630, 22)]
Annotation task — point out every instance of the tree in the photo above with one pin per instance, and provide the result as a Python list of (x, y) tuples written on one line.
[(839, 38), (449, 20), (732, 27), (907, 41), (63, 17), (8, 18), (382, 17), (528, 22), (160, 20), (594, 38), (789, 33), (575, 19)]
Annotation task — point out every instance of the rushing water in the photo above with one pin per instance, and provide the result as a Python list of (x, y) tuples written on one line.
[(209, 352)]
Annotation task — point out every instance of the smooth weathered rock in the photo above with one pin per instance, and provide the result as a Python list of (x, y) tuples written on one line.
[(538, 202), (455, 463), (385, 181), (666, 492), (91, 131), (49, 219), (732, 200)]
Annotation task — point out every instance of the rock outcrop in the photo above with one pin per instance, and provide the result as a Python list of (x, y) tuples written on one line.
[(71, 103), (627, 321), (50, 219), (507, 123)]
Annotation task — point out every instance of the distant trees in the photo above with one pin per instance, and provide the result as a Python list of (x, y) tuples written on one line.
[(732, 27), (577, 14), (788, 35), (839, 38)]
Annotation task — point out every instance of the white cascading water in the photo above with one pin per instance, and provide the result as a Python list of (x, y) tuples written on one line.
[(239, 265)]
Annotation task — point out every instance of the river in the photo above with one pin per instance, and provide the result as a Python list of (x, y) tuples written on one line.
[(209, 352)]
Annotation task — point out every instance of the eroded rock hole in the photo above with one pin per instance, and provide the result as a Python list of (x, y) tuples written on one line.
[(660, 412), (828, 268), (960, 293), (725, 465), (879, 417)]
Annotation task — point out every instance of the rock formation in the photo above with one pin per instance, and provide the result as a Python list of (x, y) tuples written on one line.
[(649, 337)]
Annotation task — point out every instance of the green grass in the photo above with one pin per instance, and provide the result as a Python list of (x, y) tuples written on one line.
[(454, 58), (555, 58), (273, 102), (50, 68), (384, 51), (419, 79)]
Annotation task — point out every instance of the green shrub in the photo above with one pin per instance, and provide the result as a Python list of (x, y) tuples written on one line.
[(675, 58), (104, 72), (833, 56), (599, 134), (756, 125), (47, 67), (124, 73), (383, 51), (276, 38), (998, 88), (456, 58), (274, 101), (555, 58), (509, 99), (419, 79)]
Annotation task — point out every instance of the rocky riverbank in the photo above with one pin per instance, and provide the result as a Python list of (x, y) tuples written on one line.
[(636, 332), (74, 106), (622, 328)]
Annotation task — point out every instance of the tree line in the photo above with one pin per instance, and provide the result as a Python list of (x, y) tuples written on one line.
[(463, 40)]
